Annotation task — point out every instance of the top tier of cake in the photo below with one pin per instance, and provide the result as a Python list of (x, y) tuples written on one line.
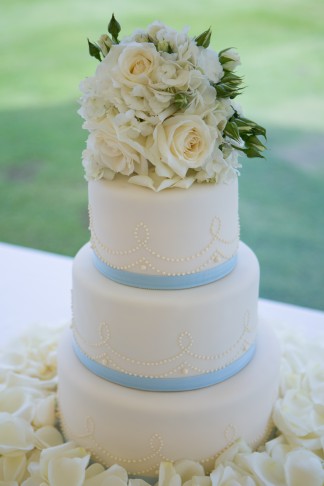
[(187, 236)]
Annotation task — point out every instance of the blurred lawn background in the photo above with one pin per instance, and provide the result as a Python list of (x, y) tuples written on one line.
[(43, 196)]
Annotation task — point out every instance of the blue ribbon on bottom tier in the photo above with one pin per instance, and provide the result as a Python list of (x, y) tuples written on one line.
[(165, 282), (164, 384)]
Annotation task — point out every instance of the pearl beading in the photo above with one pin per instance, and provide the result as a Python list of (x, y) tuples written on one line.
[(211, 253), (184, 362), (155, 446)]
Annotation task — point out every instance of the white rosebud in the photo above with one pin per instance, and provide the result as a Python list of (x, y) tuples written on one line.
[(234, 61), (105, 44)]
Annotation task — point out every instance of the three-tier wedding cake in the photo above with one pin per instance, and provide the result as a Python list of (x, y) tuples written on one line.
[(166, 358)]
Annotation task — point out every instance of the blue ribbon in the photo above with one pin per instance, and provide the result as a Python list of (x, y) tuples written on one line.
[(165, 282), (165, 384)]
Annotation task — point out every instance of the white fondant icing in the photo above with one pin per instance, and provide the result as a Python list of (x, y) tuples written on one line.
[(174, 232), (139, 429), (159, 334)]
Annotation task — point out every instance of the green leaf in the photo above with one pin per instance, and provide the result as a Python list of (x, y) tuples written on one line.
[(253, 141), (250, 152), (114, 28), (225, 90), (94, 50), (230, 77), (203, 39), (232, 131), (254, 128)]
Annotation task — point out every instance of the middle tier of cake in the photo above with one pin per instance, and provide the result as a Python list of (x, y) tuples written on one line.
[(165, 340)]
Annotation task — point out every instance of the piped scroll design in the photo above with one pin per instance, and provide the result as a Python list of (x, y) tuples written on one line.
[(149, 464), (132, 259), (182, 363)]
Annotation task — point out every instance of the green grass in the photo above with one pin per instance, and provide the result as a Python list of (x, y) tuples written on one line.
[(43, 198)]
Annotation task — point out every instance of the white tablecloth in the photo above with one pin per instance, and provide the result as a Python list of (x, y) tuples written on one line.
[(35, 287)]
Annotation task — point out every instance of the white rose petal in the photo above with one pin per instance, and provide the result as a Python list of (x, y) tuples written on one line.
[(13, 468), (239, 446), (138, 482), (187, 469), (168, 475), (48, 436), (113, 476), (16, 435), (303, 468), (67, 450), (67, 470), (18, 401), (296, 417), (262, 467), (228, 475), (45, 411)]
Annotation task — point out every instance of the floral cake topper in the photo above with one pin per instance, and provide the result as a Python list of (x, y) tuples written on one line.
[(160, 109)]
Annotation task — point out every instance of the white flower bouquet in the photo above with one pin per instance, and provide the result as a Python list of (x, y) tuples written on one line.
[(160, 110)]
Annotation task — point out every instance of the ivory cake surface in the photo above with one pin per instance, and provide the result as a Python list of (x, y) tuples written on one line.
[(169, 333), (139, 429), (172, 232)]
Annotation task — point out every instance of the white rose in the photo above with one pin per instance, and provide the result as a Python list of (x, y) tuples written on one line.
[(209, 63), (132, 64), (182, 142)]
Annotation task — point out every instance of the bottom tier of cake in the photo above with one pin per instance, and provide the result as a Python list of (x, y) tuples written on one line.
[(139, 429)]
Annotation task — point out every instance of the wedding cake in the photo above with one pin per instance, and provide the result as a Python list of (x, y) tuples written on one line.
[(166, 358)]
